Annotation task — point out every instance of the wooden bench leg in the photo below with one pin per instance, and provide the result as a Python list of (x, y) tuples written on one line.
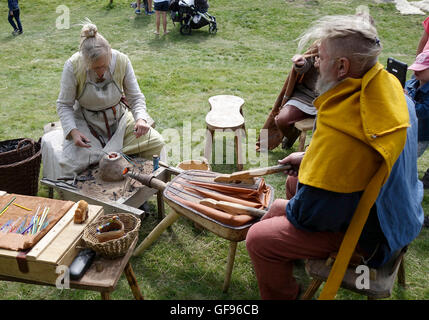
[(302, 138), (311, 290), (209, 145), (401, 274), (230, 264), (50, 193), (105, 295), (156, 232), (132, 281), (238, 149), (160, 205)]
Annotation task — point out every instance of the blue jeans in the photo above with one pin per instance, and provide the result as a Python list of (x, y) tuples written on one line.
[(18, 21)]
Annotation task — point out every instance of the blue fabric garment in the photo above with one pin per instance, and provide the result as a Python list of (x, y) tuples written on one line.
[(12, 4), (420, 96), (394, 221), (399, 207)]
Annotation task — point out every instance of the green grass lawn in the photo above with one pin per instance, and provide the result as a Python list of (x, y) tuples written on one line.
[(250, 57)]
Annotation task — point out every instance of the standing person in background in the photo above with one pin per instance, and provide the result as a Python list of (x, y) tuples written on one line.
[(148, 9), (423, 44), (14, 14), (161, 8)]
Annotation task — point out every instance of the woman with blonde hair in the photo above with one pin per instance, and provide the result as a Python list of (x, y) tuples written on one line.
[(101, 107)]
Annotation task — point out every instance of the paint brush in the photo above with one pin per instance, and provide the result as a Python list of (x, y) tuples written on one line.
[(3, 210)]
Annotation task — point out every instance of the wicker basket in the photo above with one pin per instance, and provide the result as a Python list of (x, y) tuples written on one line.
[(20, 172), (115, 248), (22, 151)]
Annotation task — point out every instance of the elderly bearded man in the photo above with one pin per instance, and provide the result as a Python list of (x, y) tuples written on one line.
[(366, 132)]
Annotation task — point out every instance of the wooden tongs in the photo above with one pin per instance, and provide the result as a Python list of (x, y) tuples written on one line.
[(248, 175)]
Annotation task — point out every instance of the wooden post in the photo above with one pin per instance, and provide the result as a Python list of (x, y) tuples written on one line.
[(209, 144), (160, 205), (230, 265), (132, 281), (401, 274), (239, 148), (105, 295), (156, 232)]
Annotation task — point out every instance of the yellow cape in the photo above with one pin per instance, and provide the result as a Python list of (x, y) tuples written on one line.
[(360, 124)]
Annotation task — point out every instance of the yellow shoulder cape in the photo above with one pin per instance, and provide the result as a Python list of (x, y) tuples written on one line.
[(360, 124)]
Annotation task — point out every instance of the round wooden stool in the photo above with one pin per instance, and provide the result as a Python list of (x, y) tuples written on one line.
[(225, 115)]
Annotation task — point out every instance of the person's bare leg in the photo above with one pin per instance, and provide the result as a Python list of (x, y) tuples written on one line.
[(157, 22), (164, 21)]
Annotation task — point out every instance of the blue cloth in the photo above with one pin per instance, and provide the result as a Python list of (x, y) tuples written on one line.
[(395, 219), (420, 97), (12, 4)]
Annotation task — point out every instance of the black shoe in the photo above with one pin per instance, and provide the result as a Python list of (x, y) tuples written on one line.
[(426, 222), (425, 179), (146, 208), (285, 143)]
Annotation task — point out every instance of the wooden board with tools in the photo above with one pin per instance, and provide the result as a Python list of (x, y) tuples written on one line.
[(59, 246)]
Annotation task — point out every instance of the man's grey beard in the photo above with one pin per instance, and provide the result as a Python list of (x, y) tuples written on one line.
[(322, 86)]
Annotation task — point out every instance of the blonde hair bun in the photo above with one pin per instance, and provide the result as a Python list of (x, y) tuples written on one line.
[(89, 30)]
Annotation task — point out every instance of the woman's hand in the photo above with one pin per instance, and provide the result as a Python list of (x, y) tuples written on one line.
[(294, 159), (79, 139), (141, 128)]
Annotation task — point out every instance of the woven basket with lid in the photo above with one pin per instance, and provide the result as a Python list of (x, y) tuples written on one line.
[(115, 248)]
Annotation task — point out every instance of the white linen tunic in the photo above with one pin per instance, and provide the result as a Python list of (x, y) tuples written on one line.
[(78, 112)]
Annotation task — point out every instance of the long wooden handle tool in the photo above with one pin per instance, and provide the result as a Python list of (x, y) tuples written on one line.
[(248, 174)]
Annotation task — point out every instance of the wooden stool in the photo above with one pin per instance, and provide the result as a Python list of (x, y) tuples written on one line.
[(225, 114), (380, 283), (304, 126)]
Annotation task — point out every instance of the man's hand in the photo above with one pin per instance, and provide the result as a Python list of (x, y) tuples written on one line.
[(294, 159), (141, 128), (298, 60), (11, 13), (79, 139)]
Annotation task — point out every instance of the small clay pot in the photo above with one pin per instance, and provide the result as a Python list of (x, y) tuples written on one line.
[(111, 167)]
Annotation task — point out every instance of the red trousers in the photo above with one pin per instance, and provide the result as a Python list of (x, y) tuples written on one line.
[(274, 243)]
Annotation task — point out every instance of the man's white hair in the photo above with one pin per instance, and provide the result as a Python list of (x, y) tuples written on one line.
[(351, 36)]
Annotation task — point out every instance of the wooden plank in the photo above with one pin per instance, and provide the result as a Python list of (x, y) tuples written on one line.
[(107, 279), (52, 234), (59, 248), (68, 237)]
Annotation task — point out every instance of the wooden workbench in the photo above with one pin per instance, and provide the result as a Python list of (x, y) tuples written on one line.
[(58, 248), (129, 204), (104, 281)]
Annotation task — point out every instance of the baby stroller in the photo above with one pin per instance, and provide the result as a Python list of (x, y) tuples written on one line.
[(192, 14)]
